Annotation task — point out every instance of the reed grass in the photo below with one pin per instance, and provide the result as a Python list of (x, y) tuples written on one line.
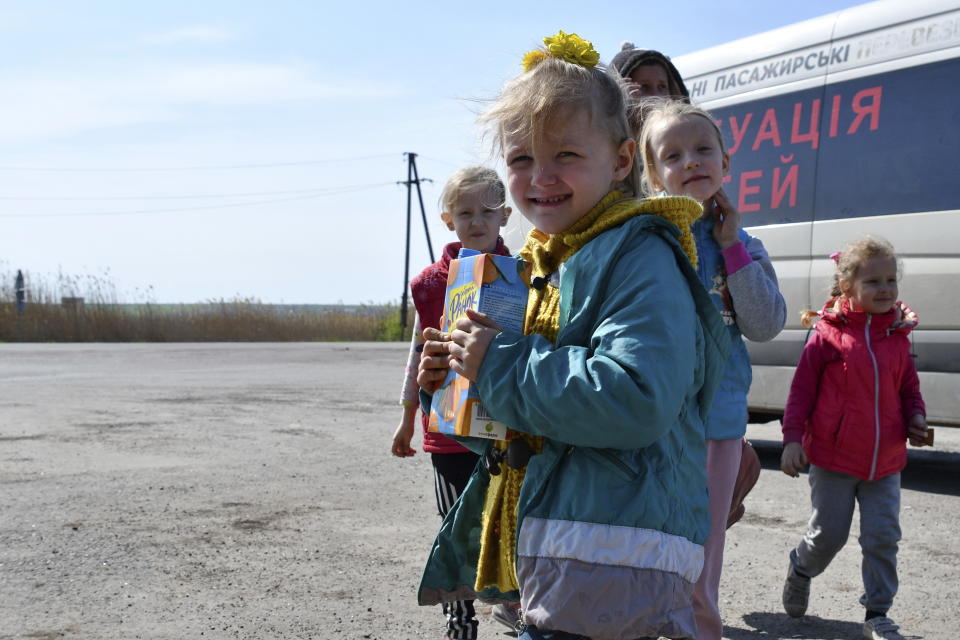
[(49, 316)]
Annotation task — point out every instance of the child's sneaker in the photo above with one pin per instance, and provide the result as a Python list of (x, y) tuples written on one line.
[(796, 593), (881, 628), (506, 615)]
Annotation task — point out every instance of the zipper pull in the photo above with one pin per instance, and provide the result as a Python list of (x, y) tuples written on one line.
[(520, 626), (492, 459)]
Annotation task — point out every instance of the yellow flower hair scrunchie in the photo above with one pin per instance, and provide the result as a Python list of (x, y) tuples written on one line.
[(568, 47)]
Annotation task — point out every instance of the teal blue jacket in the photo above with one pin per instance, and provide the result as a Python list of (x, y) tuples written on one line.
[(751, 306), (613, 512)]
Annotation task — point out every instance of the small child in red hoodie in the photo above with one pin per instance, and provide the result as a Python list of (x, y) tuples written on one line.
[(854, 402), (474, 207)]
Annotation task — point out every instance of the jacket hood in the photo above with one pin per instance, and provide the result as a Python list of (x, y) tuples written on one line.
[(899, 319), (452, 249), (629, 58)]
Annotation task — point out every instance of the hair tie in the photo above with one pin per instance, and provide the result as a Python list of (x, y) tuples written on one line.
[(568, 47), (835, 256)]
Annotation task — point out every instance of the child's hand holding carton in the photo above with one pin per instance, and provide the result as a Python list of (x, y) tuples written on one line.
[(497, 287)]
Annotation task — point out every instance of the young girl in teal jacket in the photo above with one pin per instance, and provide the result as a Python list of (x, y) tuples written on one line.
[(593, 511)]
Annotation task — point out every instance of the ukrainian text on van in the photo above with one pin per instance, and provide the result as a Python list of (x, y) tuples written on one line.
[(840, 126)]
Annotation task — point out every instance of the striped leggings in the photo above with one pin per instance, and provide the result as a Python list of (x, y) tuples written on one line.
[(451, 472)]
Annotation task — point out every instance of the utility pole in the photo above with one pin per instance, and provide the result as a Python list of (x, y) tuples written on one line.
[(21, 297), (20, 291), (413, 178)]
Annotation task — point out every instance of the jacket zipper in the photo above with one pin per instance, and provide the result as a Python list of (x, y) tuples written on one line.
[(613, 462), (876, 400), (522, 512)]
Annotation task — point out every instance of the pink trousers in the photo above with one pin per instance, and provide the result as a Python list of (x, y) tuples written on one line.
[(723, 462)]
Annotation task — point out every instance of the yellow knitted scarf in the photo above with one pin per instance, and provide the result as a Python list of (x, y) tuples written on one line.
[(496, 567)]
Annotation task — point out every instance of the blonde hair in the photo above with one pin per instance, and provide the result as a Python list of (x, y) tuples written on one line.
[(467, 178), (555, 88), (848, 261), (647, 113)]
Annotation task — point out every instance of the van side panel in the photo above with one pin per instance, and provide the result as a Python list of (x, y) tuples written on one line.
[(894, 146), (848, 150), (870, 149)]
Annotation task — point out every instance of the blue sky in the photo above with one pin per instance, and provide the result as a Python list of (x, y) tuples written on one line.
[(193, 151)]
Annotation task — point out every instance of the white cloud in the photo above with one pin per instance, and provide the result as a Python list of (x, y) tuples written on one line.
[(22, 17), (49, 109), (48, 106), (189, 35), (257, 83)]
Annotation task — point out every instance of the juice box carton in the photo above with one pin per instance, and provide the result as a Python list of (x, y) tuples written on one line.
[(494, 285)]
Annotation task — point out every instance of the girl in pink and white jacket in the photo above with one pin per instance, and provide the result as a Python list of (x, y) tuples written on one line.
[(854, 402)]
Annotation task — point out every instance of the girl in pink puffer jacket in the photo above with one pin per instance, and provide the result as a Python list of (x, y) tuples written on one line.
[(854, 402)]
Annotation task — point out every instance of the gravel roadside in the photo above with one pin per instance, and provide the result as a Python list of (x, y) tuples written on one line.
[(247, 491)]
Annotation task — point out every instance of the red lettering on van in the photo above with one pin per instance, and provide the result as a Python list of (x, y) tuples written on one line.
[(813, 134), (739, 132), (768, 130), (863, 110), (779, 189), (748, 190)]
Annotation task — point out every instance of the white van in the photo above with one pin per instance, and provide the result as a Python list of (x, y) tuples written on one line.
[(839, 126)]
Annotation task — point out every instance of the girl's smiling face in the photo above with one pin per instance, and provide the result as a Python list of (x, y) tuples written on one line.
[(689, 158), (477, 216), (874, 288), (559, 178)]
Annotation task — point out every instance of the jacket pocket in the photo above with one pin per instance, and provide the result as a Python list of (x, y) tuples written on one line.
[(839, 431), (612, 461), (853, 442), (827, 424)]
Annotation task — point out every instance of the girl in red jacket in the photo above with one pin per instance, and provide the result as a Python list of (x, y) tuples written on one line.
[(854, 402), (474, 207)]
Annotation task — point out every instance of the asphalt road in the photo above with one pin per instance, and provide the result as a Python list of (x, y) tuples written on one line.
[(247, 491)]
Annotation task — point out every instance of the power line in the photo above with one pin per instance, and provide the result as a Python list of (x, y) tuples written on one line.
[(316, 190), (446, 162), (194, 168), (343, 190), (413, 178)]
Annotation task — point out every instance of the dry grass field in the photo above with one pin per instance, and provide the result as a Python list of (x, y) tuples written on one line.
[(87, 309)]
